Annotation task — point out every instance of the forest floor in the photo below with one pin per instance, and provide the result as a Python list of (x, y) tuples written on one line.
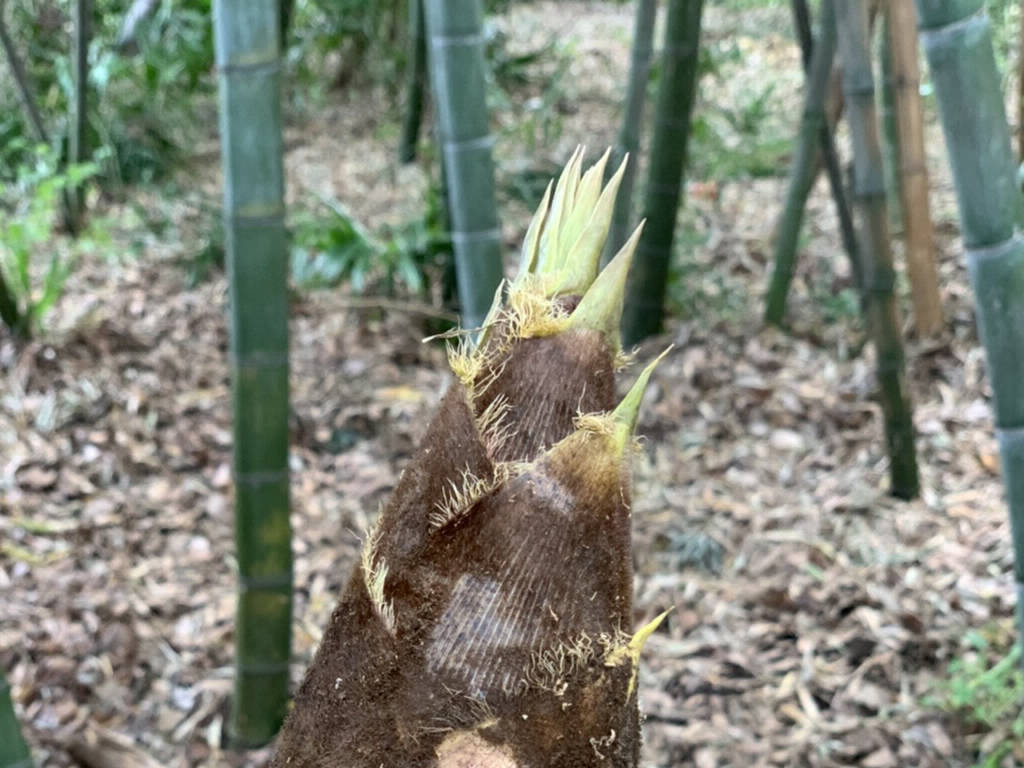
[(815, 616)]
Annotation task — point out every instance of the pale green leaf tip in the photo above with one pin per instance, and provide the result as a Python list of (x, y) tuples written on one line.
[(531, 243), (549, 261), (639, 639), (627, 412), (600, 308), (631, 651), (583, 257)]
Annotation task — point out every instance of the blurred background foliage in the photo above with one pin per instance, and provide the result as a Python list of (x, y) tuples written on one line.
[(153, 98)]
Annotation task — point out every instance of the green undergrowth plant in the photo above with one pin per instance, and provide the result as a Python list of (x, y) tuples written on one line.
[(984, 692), (333, 247), (35, 258), (529, 90), (739, 138)]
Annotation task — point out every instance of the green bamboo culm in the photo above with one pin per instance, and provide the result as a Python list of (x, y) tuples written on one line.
[(815, 135), (883, 319), (248, 63), (10, 315), (957, 39), (287, 11), (13, 749), (78, 148), (890, 126), (645, 296), (632, 125), (829, 153), (456, 58), (415, 84)]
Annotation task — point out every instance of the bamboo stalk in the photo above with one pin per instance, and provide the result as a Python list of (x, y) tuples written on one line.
[(890, 126), (1020, 87), (9, 312), (78, 147), (815, 137), (14, 751), (957, 39), (29, 107), (415, 83), (21, 81), (248, 62), (876, 258), (287, 13), (913, 171), (455, 33), (632, 123), (829, 155), (644, 310)]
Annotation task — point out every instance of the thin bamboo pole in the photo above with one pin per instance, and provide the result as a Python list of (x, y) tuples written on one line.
[(876, 258), (9, 312), (917, 219), (632, 124), (455, 35), (829, 155), (78, 147), (645, 302), (247, 36), (957, 39), (415, 83), (1020, 86), (29, 107), (815, 137), (890, 126), (14, 751)]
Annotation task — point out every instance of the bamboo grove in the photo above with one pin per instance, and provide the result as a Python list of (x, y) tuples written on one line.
[(431, 653)]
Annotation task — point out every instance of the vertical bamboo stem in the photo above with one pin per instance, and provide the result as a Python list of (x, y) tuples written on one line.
[(78, 148), (415, 83), (890, 125), (645, 303), (957, 39), (1020, 86), (455, 33), (632, 123), (876, 257), (917, 220), (248, 61)]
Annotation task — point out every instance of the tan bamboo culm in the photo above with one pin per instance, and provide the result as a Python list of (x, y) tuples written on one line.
[(918, 235)]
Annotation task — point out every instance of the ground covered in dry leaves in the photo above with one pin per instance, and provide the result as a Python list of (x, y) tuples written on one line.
[(813, 614)]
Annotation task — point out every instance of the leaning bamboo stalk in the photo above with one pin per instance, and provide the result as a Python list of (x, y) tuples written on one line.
[(876, 257), (957, 39), (913, 172), (814, 136), (632, 122), (415, 83), (21, 81), (14, 751), (248, 61), (455, 35), (29, 107), (829, 155), (643, 315)]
